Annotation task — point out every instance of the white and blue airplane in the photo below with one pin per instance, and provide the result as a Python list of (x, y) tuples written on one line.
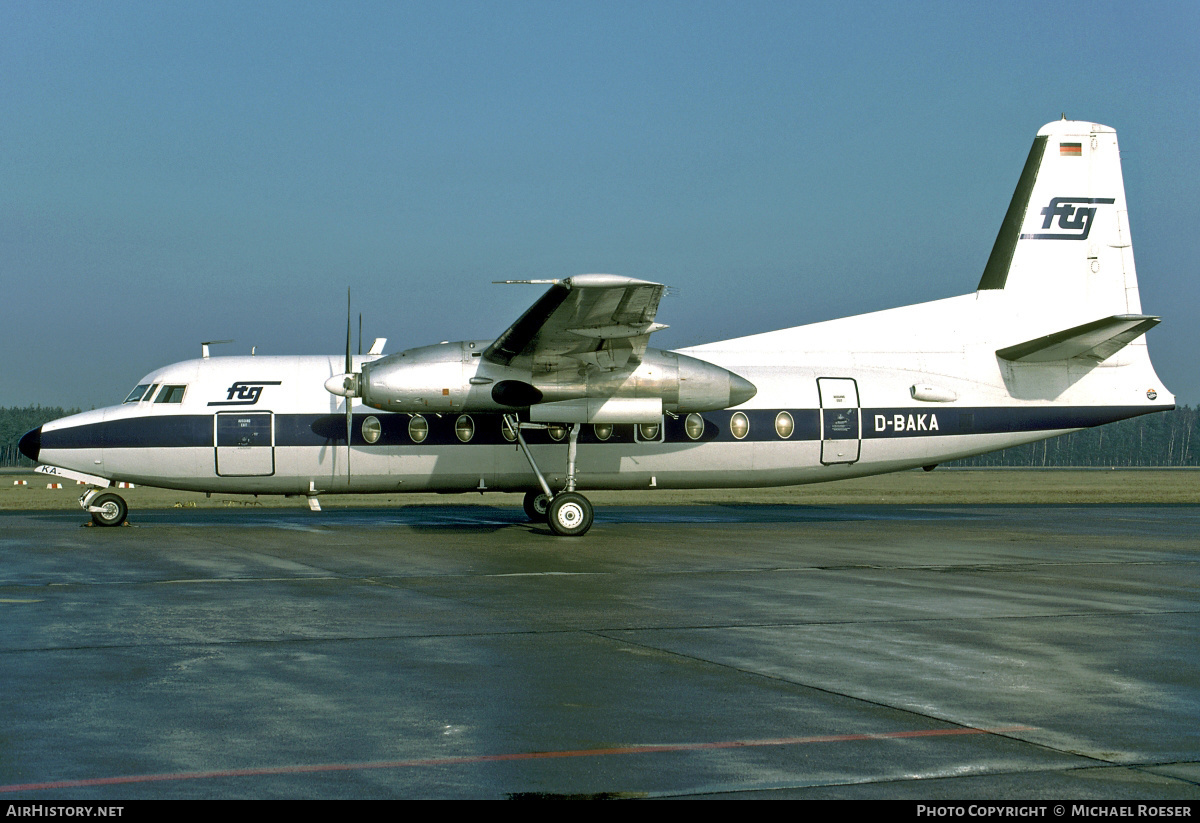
[(571, 397)]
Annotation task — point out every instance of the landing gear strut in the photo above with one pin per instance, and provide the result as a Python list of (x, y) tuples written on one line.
[(568, 513)]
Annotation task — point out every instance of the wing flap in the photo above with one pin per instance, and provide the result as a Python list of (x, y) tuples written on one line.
[(593, 319)]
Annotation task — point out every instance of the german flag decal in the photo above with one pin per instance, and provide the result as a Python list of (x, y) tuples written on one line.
[(1070, 149)]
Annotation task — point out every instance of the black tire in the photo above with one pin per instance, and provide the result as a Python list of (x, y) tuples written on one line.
[(113, 510), (536, 504), (570, 515)]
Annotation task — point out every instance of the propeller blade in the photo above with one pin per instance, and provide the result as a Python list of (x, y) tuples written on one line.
[(349, 362)]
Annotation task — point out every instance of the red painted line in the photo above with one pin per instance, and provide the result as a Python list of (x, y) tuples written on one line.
[(499, 758)]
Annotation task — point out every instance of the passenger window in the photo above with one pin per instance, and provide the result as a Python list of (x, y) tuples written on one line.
[(648, 433), (170, 394), (137, 393)]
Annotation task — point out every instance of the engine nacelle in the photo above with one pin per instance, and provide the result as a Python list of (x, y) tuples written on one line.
[(428, 379), (684, 384), (599, 410), (453, 377)]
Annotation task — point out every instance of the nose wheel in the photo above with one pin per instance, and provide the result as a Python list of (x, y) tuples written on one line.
[(106, 509)]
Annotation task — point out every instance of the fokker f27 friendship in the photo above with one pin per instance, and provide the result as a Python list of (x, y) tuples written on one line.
[(571, 396)]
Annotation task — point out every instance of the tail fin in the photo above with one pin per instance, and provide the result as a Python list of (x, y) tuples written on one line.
[(1065, 239)]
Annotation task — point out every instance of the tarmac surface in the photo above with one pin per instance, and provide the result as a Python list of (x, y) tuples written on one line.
[(923, 652)]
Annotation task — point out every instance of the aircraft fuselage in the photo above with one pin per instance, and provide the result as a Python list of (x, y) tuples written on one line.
[(266, 425)]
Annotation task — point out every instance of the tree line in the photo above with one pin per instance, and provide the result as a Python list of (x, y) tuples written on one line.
[(1162, 440), (1153, 440)]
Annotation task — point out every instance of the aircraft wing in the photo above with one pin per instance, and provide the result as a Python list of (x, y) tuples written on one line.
[(601, 320)]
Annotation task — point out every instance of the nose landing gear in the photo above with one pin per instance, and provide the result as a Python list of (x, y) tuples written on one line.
[(106, 509)]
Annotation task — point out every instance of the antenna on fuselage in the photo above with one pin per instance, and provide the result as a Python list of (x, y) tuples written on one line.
[(204, 346)]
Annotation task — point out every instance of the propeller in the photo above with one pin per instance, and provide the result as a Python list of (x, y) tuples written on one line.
[(349, 397), (347, 384)]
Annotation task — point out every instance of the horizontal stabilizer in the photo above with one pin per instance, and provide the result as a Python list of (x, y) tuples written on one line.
[(1097, 340)]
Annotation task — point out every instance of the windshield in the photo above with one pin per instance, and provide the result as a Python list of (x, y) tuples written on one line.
[(136, 394)]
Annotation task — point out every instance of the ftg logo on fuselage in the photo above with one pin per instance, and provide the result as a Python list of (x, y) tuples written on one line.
[(244, 393), (1075, 216)]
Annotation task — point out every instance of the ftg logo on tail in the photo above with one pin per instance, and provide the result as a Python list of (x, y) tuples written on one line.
[(1075, 216)]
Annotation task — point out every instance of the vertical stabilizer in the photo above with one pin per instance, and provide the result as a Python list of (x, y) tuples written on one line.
[(1065, 238)]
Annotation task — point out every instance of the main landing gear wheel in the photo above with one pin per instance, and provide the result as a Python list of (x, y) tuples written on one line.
[(536, 504), (108, 510), (570, 514)]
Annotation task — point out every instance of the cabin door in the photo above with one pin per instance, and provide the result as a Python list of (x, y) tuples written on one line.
[(841, 425), (245, 444)]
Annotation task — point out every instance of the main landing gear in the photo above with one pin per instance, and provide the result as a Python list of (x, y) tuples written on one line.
[(107, 509), (536, 504), (568, 513)]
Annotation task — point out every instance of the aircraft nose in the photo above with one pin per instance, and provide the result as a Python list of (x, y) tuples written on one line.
[(31, 444), (740, 389)]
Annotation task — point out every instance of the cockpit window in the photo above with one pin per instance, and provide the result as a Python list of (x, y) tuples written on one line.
[(137, 393), (170, 394)]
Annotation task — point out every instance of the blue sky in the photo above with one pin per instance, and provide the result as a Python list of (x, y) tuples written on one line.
[(179, 172)]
